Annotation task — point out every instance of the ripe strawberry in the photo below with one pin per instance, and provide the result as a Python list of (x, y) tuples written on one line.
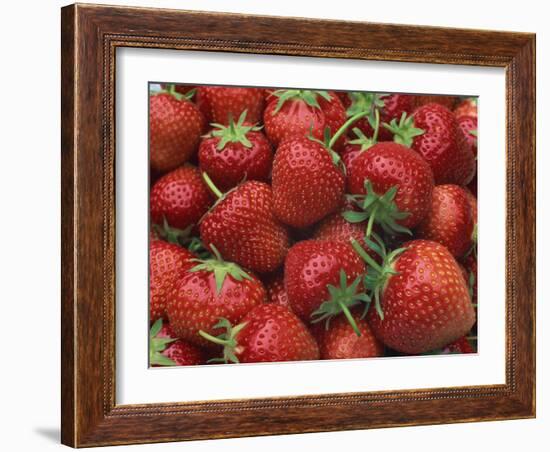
[(243, 227), (450, 220), (446, 101), (276, 292), (468, 107), (298, 113), (175, 128), (421, 299), (167, 264), (180, 197), (468, 126), (340, 341), (182, 89), (460, 346), (165, 349), (213, 288), (393, 185), (268, 333), (228, 102), (234, 153), (313, 268)]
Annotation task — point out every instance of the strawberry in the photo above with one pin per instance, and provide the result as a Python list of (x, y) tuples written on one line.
[(234, 153), (421, 299), (243, 227), (165, 349), (468, 127), (460, 346), (268, 333), (467, 107), (313, 269), (228, 102), (167, 264), (182, 89), (470, 267), (340, 341), (446, 101), (276, 292), (450, 220), (298, 113), (175, 128), (180, 198), (213, 288), (433, 132), (392, 185)]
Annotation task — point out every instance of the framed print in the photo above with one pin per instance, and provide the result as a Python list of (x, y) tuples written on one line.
[(281, 225)]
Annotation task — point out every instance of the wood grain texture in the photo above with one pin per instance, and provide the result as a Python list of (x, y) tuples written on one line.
[(90, 36)]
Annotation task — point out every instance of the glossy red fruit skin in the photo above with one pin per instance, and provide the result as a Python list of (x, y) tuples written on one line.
[(307, 185), (296, 118), (243, 228), (313, 264), (167, 264), (426, 305), (181, 197), (273, 334), (443, 145), (450, 220), (466, 125), (276, 292), (339, 341), (467, 107), (448, 102), (472, 200), (235, 162), (226, 101), (175, 129), (181, 352), (389, 164), (195, 304)]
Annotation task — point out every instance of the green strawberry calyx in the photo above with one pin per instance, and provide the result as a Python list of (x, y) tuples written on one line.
[(362, 101), (378, 209), (228, 340), (157, 345), (220, 268), (171, 89), (377, 275), (362, 140), (341, 300), (307, 95), (235, 132), (182, 237), (403, 131)]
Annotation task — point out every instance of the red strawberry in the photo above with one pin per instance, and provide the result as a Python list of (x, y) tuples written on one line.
[(180, 197), (446, 101), (228, 102), (297, 113), (340, 341), (421, 299), (460, 346), (314, 269), (167, 264), (268, 333), (242, 226), (175, 128), (468, 126), (212, 289), (468, 107), (234, 153), (470, 266), (182, 89), (165, 349), (398, 186), (276, 292)]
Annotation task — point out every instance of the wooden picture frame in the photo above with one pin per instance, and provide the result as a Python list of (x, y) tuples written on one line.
[(90, 36)]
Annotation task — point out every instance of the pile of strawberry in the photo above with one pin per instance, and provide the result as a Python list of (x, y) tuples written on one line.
[(301, 224)]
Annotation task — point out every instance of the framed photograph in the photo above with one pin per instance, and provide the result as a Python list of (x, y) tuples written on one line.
[(281, 225)]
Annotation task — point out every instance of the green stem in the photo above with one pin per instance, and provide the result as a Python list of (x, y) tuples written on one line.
[(359, 249), (215, 340), (371, 220), (211, 185), (345, 127), (350, 318)]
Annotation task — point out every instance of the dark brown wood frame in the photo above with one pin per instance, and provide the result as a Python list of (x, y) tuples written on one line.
[(90, 36)]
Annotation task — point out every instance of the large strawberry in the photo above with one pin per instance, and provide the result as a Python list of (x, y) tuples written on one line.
[(167, 264), (165, 349), (243, 227), (450, 220), (268, 333), (393, 187), (226, 102), (175, 128), (297, 113), (276, 292), (421, 298), (213, 288), (233, 153), (322, 279), (180, 198)]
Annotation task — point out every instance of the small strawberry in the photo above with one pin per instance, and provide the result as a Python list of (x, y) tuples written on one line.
[(167, 264), (165, 349), (450, 220), (234, 153), (175, 128), (276, 292), (468, 126), (460, 346), (467, 107), (243, 227), (180, 198), (268, 333), (228, 102), (421, 299), (446, 101), (213, 288)]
